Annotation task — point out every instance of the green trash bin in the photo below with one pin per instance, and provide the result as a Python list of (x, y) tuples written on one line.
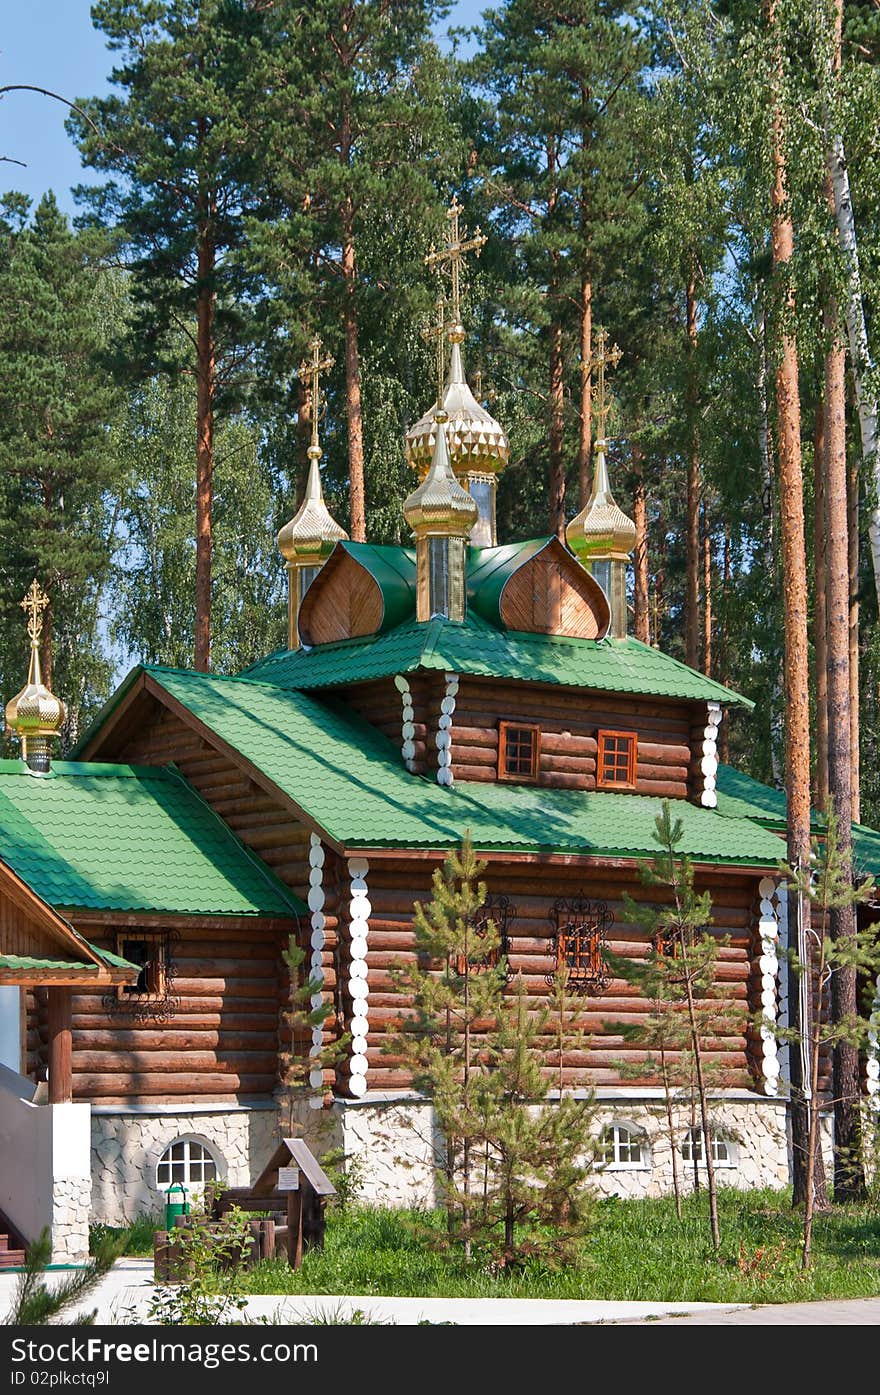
[(174, 1208)]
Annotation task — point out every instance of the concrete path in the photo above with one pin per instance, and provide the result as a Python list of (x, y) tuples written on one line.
[(844, 1312), (123, 1297)]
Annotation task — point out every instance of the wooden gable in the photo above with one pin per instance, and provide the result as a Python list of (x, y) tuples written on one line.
[(552, 594), (343, 602)]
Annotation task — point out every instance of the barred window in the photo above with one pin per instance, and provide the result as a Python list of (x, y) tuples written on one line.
[(581, 930)]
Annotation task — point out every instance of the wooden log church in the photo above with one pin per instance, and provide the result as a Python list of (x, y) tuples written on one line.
[(456, 683)]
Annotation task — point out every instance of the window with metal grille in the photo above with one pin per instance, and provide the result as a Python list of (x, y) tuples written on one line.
[(519, 748), (625, 1146), (581, 933), (499, 910), (616, 760), (188, 1162), (150, 953)]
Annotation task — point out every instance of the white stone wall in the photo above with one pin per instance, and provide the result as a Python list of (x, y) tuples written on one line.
[(126, 1147), (394, 1144), (71, 1212)]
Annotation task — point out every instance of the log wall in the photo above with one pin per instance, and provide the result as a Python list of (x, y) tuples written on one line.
[(380, 704), (569, 722), (598, 1062)]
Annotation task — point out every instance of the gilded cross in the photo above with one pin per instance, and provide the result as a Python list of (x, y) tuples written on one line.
[(436, 329), (33, 604), (310, 371), (458, 244), (605, 357)]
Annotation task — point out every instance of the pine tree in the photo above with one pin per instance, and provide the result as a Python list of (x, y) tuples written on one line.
[(57, 477), (355, 134), (828, 886), (178, 140)]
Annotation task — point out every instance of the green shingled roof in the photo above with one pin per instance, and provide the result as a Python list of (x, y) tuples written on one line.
[(23, 963), (476, 647), (351, 781), (739, 796), (129, 838)]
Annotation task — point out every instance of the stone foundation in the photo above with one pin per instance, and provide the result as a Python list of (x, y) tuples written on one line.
[(128, 1144), (391, 1147), (391, 1143)]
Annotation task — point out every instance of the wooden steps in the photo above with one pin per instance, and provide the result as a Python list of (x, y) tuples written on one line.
[(11, 1245)]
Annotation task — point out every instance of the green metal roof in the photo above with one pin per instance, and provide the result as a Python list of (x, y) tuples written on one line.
[(739, 796), (26, 962), (351, 781), (129, 838), (479, 648)]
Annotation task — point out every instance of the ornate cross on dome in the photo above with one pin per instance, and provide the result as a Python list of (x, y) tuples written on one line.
[(310, 371), (436, 329), (605, 357), (457, 245), (33, 604)]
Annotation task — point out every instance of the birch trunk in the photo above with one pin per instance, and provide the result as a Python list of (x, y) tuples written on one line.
[(820, 623), (640, 552)]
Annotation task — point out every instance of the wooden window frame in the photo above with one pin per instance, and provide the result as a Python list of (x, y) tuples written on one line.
[(518, 777), (632, 760), (157, 940)]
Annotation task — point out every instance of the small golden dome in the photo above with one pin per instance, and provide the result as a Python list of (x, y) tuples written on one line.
[(35, 713), (312, 533), (439, 506), (474, 438), (601, 529)]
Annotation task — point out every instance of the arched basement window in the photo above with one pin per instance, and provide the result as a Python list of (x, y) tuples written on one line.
[(186, 1161)]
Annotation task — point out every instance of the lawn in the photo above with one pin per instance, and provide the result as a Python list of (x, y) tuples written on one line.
[(635, 1250)]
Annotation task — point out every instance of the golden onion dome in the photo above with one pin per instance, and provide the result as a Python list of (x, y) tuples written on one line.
[(439, 505), (475, 441), (601, 529), (35, 713), (312, 533)]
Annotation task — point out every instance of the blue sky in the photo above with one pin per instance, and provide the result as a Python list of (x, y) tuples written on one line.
[(51, 43)]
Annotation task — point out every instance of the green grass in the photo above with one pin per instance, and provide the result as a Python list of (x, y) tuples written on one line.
[(139, 1235), (635, 1250)]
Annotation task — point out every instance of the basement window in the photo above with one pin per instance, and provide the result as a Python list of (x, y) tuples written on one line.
[(188, 1162), (150, 953), (722, 1148), (625, 1147), (519, 748), (616, 760)]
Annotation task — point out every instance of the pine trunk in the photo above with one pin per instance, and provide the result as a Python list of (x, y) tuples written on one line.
[(354, 409), (724, 733), (640, 552), (797, 676), (692, 524), (206, 382), (585, 442), (854, 704), (556, 384), (820, 624), (707, 596)]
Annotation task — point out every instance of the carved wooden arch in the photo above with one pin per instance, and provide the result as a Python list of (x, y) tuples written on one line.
[(343, 602), (553, 594)]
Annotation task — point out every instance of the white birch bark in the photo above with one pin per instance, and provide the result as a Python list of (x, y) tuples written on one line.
[(860, 354)]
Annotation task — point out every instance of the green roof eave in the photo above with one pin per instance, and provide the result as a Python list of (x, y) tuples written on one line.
[(93, 837), (479, 648), (741, 796)]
